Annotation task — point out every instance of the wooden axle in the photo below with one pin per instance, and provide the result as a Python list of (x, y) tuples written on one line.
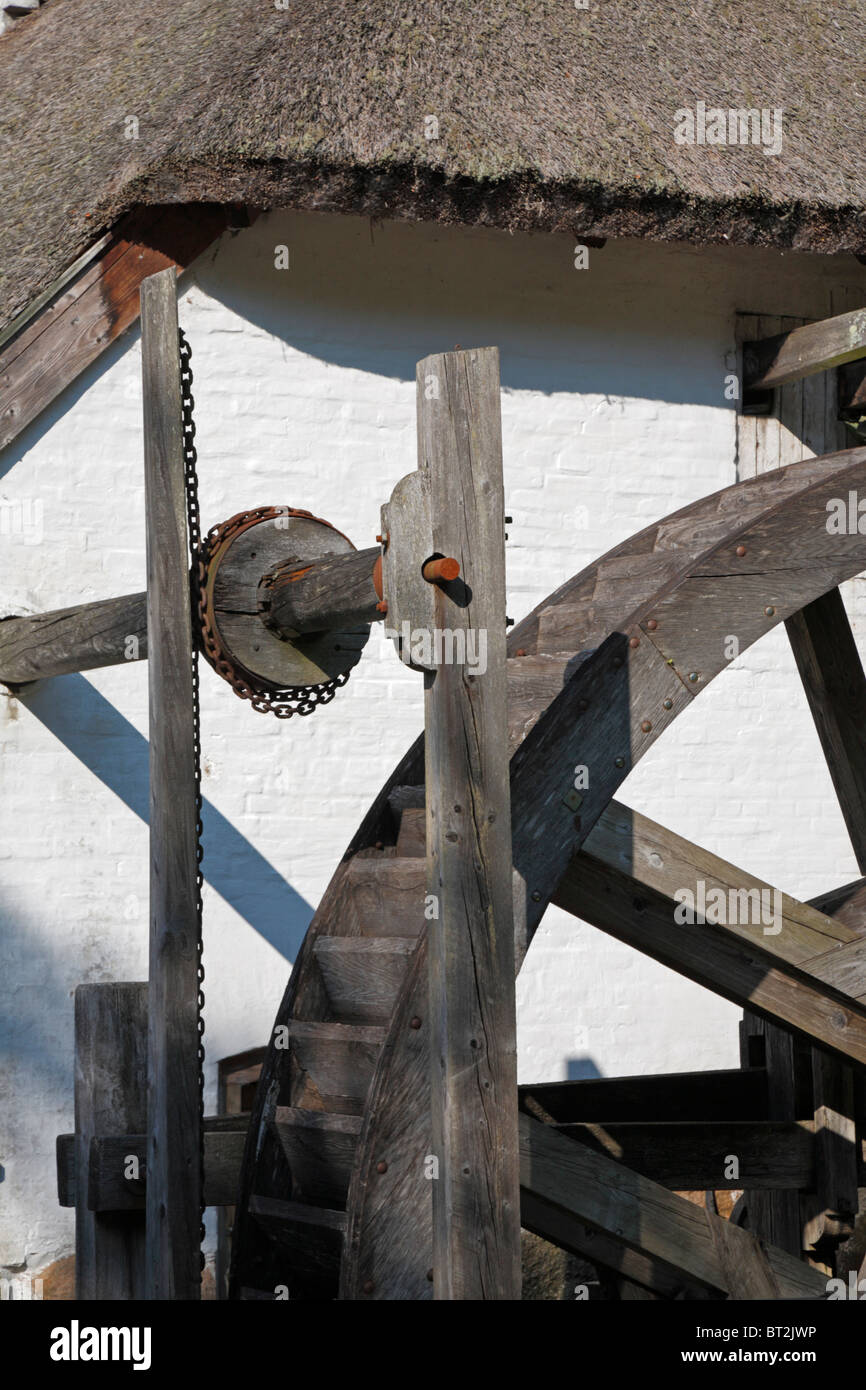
[(326, 595)]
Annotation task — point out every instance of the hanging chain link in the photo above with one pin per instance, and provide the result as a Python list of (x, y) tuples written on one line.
[(264, 697), (192, 515)]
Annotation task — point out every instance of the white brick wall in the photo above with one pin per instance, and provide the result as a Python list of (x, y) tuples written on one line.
[(613, 402)]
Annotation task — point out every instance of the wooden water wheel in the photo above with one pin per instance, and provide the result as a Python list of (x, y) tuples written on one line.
[(335, 1198)]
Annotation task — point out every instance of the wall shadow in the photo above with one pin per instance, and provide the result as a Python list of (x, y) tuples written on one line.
[(112, 749)]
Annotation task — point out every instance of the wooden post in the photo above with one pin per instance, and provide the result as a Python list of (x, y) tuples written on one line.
[(173, 1111), (476, 1197), (110, 1099)]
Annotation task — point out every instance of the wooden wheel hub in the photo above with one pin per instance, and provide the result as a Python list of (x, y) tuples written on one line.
[(235, 601)]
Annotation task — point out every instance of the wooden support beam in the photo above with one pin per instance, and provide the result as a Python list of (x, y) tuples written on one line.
[(813, 348), (329, 595), (838, 1169), (689, 1156), (589, 1189), (476, 1204), (335, 592), (110, 1179), (694, 1095), (83, 638), (174, 1120), (774, 1213), (833, 678), (110, 1099), (788, 977), (102, 302)]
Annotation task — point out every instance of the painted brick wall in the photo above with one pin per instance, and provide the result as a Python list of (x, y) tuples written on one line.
[(613, 414)]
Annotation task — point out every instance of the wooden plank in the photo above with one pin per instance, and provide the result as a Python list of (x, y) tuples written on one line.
[(836, 1152), (814, 347), (476, 1205), (606, 1251), (82, 638), (334, 592), (101, 304), (696, 1095), (174, 1119), (832, 674), (688, 1155), (111, 1185), (593, 1190), (774, 1213), (110, 1098), (713, 955)]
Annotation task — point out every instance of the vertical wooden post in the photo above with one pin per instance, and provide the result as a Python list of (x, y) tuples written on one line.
[(110, 1098), (174, 1124), (476, 1197)]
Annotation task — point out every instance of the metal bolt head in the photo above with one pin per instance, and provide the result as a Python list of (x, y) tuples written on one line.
[(572, 800), (430, 1276), (741, 550), (619, 762), (693, 677), (415, 1023), (646, 726), (382, 606), (634, 642), (521, 651), (668, 704), (368, 1286), (536, 897), (381, 1166), (651, 625), (770, 611)]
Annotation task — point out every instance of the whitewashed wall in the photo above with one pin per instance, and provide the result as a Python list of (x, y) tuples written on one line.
[(614, 414)]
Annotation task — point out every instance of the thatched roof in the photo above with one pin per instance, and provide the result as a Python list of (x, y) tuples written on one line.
[(550, 117)]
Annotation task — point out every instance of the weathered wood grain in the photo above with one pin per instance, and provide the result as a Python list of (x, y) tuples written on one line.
[(110, 1189), (83, 638), (476, 1207), (334, 592), (813, 348), (91, 313), (173, 1114), (747, 973), (835, 685), (591, 1189), (110, 1099)]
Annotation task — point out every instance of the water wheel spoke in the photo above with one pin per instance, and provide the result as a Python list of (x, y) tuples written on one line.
[(833, 678)]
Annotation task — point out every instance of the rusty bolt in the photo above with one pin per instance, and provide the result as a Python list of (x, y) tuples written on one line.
[(770, 611), (382, 607), (651, 624), (646, 726), (445, 568), (741, 550), (693, 676), (521, 651), (634, 642), (415, 1022), (668, 704), (381, 1166)]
